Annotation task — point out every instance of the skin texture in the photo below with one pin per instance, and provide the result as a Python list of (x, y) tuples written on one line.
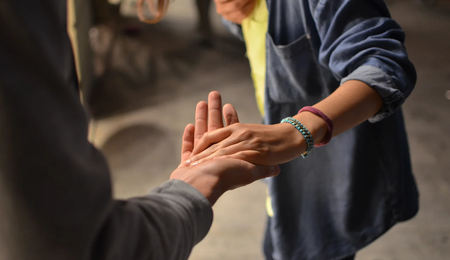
[(215, 177), (351, 104)]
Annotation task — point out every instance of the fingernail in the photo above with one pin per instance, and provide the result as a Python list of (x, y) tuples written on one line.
[(194, 163), (188, 161)]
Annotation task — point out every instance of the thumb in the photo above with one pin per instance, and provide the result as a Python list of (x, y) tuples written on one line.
[(261, 172)]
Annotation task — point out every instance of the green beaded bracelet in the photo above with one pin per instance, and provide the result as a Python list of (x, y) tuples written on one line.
[(306, 134)]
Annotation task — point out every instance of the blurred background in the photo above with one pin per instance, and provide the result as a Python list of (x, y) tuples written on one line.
[(141, 84)]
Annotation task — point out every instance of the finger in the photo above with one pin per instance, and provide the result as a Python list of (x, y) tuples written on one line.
[(187, 144), (201, 121), (235, 151), (211, 138), (237, 15), (261, 172), (214, 111), (230, 114), (235, 11), (243, 173)]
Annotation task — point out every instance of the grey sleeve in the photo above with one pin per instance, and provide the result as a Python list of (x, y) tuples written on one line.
[(165, 224), (55, 187)]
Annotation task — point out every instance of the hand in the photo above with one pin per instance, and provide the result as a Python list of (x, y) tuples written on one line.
[(208, 116), (213, 178), (258, 144), (192, 134), (235, 10)]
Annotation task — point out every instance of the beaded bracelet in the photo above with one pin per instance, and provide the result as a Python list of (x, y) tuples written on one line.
[(306, 134), (326, 139)]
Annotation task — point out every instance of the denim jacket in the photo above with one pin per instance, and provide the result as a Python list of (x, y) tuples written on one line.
[(351, 191)]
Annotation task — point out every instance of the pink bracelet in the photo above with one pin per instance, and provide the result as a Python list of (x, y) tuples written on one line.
[(326, 139)]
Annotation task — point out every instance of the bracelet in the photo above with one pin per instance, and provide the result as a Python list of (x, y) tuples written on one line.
[(306, 134), (326, 139)]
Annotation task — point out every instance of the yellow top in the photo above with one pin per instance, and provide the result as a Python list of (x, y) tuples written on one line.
[(254, 29)]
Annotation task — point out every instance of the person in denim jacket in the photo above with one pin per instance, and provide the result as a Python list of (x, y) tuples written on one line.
[(347, 59)]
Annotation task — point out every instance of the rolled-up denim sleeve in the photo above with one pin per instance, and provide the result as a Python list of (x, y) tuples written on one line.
[(361, 42)]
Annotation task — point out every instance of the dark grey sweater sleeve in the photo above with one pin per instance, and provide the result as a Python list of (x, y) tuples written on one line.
[(55, 187), (167, 223)]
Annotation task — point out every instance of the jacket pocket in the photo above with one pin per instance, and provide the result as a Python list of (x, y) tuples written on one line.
[(293, 73)]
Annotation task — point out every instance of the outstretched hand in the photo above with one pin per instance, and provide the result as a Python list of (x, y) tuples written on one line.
[(214, 177), (255, 143), (208, 117)]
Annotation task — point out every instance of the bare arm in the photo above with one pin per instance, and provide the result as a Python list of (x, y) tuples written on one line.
[(351, 104), (365, 51)]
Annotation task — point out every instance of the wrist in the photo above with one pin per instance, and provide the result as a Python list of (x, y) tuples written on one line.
[(206, 184), (315, 125), (295, 140)]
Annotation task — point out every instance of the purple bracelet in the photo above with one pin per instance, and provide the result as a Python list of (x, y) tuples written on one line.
[(326, 139)]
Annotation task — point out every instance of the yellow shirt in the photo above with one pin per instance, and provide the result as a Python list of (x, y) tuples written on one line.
[(254, 29)]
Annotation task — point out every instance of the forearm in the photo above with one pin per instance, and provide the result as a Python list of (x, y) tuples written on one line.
[(368, 47), (351, 104), (165, 224)]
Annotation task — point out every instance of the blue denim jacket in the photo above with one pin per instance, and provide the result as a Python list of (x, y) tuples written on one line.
[(351, 191)]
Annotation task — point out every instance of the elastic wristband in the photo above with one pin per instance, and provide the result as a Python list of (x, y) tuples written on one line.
[(306, 134), (326, 139)]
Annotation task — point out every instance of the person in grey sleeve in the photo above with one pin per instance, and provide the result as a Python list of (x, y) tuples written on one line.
[(55, 187)]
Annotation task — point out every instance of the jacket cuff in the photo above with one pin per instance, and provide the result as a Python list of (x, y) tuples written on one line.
[(383, 84), (199, 204)]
